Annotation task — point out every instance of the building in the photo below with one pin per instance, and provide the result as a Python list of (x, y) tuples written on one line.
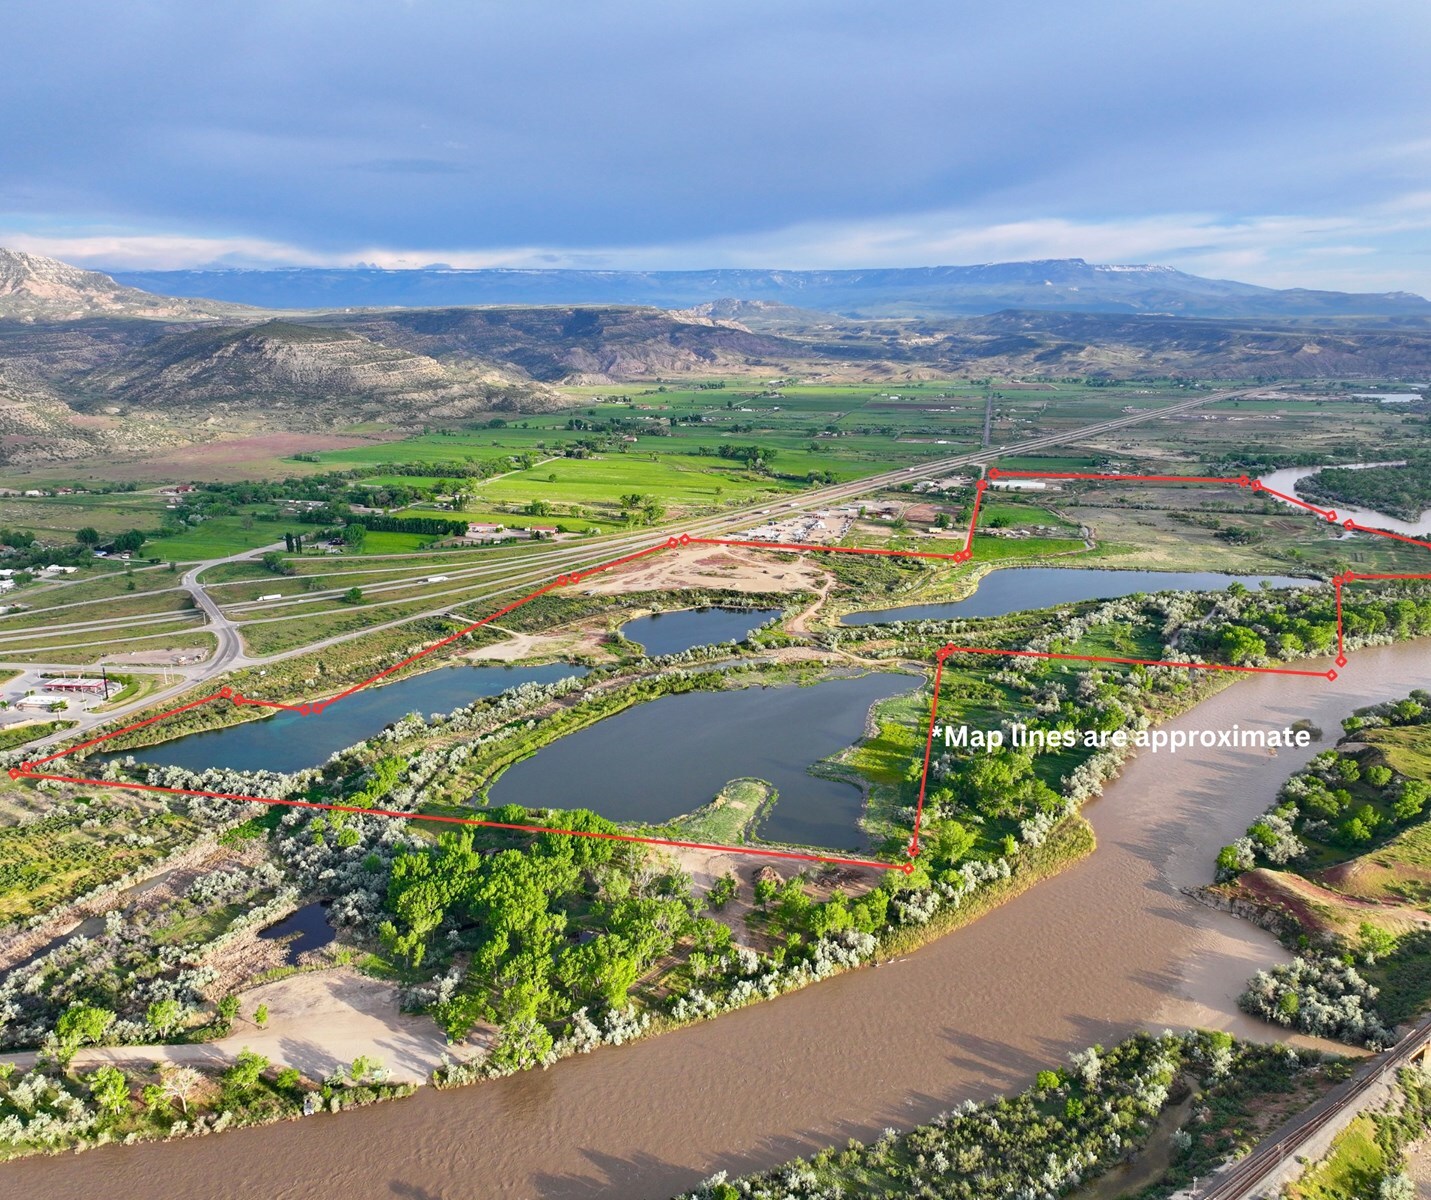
[(92, 687)]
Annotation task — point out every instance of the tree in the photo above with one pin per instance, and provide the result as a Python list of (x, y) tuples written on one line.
[(723, 891), (87, 536), (260, 1015), (179, 1082), (241, 1078), (354, 535), (129, 542), (164, 1016), (354, 595), (228, 1008), (109, 1088), (81, 1023), (1241, 645)]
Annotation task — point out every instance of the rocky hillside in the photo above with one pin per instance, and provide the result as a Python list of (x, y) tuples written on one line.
[(87, 365), (578, 345), (1128, 347), (33, 287), (298, 375)]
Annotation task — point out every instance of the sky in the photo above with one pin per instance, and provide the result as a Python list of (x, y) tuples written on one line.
[(1281, 142)]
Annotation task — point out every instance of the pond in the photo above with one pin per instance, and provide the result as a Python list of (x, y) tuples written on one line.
[(290, 742), (670, 756), (1013, 589), (673, 632), (310, 923)]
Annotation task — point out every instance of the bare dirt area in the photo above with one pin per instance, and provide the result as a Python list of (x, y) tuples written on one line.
[(163, 658), (1320, 910), (318, 1022), (700, 567), (585, 640)]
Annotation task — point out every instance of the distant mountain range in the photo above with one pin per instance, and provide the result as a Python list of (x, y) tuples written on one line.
[(90, 366), (1063, 285)]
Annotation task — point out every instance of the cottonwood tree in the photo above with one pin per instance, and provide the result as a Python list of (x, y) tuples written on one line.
[(179, 1083)]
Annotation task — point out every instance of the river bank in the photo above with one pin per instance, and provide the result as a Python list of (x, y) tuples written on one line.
[(967, 1016)]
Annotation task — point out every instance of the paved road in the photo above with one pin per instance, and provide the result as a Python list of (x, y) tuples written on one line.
[(521, 574), (230, 652)]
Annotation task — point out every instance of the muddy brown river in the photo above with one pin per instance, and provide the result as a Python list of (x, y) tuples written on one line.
[(1109, 946)]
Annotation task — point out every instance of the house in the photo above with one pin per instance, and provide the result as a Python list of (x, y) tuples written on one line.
[(543, 531), (7, 585), (480, 529)]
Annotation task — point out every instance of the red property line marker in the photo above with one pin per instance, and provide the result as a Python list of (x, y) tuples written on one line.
[(28, 769), (906, 868), (1007, 473), (957, 556), (928, 750)]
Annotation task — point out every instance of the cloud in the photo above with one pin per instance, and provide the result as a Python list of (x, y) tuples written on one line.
[(810, 132), (1373, 250)]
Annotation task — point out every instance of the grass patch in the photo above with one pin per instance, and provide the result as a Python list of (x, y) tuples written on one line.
[(730, 819), (19, 736), (1351, 1170)]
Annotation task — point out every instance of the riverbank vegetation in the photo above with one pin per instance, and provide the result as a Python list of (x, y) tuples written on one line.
[(550, 945), (55, 1107), (1341, 866), (1076, 1124), (1401, 490)]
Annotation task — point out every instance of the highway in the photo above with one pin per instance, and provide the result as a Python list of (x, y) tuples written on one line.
[(517, 575)]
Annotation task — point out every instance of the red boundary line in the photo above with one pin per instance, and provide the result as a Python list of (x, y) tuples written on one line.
[(27, 770)]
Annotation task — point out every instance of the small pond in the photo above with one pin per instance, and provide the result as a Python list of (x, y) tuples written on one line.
[(673, 632), (310, 923)]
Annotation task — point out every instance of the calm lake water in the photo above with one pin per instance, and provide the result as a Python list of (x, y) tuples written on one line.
[(289, 742), (1106, 947), (1013, 589), (670, 756), (673, 632), (1285, 480), (310, 923)]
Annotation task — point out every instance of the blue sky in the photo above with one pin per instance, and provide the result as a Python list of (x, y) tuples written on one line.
[(1284, 142)]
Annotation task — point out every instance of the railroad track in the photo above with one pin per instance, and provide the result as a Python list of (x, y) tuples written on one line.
[(1248, 1173)]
